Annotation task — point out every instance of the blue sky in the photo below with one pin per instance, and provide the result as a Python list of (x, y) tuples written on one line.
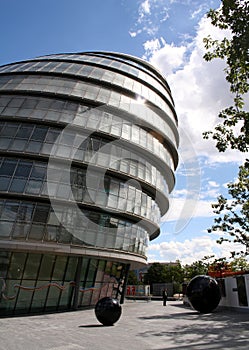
[(169, 34)]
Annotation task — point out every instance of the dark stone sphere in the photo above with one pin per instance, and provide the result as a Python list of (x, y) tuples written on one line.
[(203, 293), (108, 311)]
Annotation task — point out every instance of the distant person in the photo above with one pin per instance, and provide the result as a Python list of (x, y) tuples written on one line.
[(165, 297)]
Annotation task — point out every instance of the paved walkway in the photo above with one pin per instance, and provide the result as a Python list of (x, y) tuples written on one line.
[(142, 326)]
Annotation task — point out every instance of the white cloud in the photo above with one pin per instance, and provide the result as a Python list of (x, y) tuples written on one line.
[(213, 184), (199, 89), (182, 210), (152, 45), (133, 34), (145, 8), (203, 8), (189, 250), (171, 54), (151, 14), (211, 190)]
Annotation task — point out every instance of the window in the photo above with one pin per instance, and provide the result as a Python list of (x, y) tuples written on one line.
[(23, 169), (52, 135), (9, 211), (17, 185), (39, 134), (18, 145), (33, 187), (34, 147), (10, 130), (15, 102), (8, 167), (25, 212), (38, 171), (24, 131), (41, 213), (4, 183)]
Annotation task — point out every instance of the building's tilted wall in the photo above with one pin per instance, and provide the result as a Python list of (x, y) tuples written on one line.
[(88, 149)]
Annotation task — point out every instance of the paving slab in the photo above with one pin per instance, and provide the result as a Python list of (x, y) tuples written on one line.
[(142, 326)]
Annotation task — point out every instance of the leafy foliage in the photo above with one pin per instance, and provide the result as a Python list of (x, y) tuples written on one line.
[(132, 278), (164, 273), (239, 264), (209, 264), (155, 274), (232, 15), (233, 132), (233, 219), (177, 274), (196, 268)]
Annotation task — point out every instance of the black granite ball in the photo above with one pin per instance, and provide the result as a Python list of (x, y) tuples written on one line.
[(108, 311), (203, 293)]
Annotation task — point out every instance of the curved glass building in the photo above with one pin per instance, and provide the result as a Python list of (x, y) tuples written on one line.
[(88, 150)]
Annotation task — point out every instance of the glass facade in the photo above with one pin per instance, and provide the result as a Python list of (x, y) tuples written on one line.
[(29, 177), (40, 222), (88, 150), (90, 92), (45, 282), (113, 78)]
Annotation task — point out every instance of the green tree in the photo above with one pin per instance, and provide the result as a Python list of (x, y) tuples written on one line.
[(175, 275), (232, 15), (132, 278), (174, 272), (156, 274), (239, 264), (164, 273), (218, 266), (233, 132), (199, 267), (233, 219)]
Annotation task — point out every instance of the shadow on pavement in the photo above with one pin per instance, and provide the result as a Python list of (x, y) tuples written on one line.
[(221, 329), (224, 345), (91, 325)]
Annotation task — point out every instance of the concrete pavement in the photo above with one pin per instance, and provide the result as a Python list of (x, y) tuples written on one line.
[(142, 326)]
